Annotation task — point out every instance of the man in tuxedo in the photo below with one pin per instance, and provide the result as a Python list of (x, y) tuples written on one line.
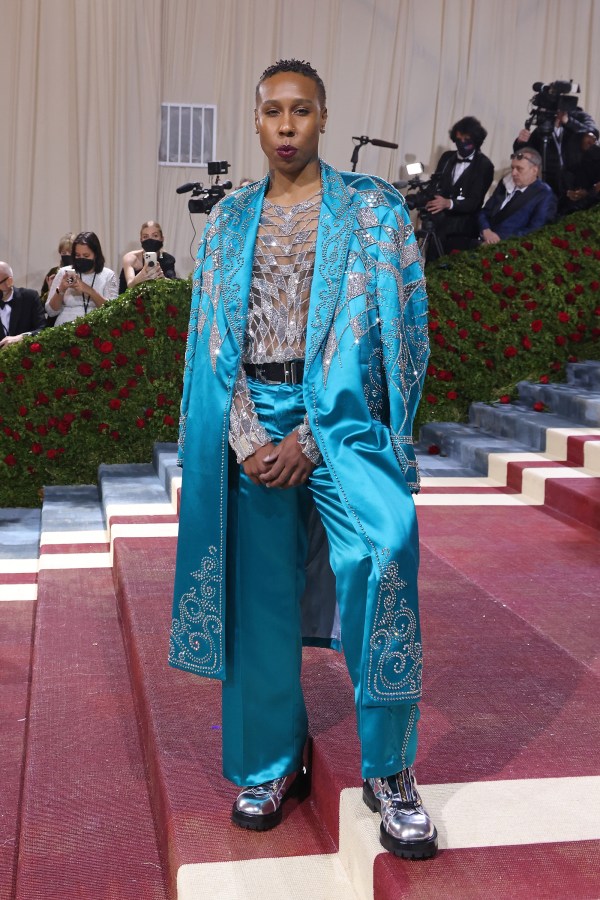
[(521, 204), (21, 310), (463, 178)]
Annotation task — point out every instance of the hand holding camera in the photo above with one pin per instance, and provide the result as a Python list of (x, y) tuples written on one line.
[(151, 269), (69, 280)]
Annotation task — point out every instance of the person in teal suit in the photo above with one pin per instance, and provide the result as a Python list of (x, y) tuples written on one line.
[(305, 362)]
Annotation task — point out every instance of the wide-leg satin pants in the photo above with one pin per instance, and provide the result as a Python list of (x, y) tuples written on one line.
[(264, 716)]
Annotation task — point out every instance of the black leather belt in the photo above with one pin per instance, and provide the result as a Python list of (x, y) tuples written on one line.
[(289, 372)]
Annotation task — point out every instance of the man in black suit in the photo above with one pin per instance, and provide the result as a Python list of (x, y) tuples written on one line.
[(21, 310), (462, 177)]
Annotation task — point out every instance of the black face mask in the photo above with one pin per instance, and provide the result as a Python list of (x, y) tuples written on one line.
[(151, 245), (65, 259), (82, 265), (465, 148)]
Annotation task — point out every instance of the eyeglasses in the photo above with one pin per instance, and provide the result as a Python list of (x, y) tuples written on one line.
[(6, 277), (523, 156)]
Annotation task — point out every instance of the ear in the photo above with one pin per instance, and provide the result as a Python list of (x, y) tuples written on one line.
[(323, 118), (256, 120)]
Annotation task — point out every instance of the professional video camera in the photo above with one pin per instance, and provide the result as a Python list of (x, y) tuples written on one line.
[(421, 192), (548, 100), (204, 198)]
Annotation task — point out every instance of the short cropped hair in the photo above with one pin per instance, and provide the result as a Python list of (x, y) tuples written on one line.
[(295, 65), (472, 126), (530, 154), (90, 239)]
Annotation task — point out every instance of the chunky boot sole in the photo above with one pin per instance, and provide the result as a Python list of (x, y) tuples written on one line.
[(405, 849), (300, 788)]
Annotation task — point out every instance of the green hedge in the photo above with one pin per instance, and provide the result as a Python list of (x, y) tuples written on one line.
[(105, 388), (513, 311), (101, 389)]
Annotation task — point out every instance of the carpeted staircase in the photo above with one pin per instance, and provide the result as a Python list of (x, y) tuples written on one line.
[(111, 761)]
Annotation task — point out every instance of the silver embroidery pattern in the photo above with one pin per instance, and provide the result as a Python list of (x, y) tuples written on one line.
[(199, 625)]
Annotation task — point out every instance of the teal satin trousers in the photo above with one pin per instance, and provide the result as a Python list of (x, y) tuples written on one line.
[(264, 716)]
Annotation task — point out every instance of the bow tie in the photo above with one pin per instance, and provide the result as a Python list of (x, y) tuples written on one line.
[(4, 303)]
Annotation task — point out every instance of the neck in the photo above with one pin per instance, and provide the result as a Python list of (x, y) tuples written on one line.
[(289, 189)]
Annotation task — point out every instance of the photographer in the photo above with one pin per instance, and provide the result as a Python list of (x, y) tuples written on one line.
[(560, 124), (135, 270), (462, 179), (84, 286)]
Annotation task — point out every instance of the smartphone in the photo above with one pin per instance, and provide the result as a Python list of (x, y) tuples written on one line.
[(150, 258), (71, 274)]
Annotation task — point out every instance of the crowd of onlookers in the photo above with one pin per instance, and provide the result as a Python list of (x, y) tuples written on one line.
[(555, 170), (82, 282)]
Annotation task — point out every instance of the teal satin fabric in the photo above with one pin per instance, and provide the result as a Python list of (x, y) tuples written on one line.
[(264, 717)]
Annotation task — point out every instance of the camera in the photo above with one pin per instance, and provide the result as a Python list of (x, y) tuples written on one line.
[(421, 192), (548, 100), (204, 198)]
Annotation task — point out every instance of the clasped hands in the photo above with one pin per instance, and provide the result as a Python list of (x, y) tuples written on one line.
[(282, 465)]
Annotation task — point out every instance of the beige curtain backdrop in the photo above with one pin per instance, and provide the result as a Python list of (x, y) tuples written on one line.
[(81, 83)]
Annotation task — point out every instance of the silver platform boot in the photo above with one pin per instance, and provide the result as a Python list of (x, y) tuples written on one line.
[(259, 807), (406, 829)]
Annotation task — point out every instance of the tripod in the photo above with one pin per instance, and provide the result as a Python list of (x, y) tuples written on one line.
[(429, 240)]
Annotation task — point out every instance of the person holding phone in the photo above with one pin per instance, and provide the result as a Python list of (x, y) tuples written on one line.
[(84, 286), (149, 262)]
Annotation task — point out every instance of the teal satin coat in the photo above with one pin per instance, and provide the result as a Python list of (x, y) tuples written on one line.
[(366, 356)]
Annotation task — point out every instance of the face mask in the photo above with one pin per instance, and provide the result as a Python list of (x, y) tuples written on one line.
[(82, 265), (151, 245), (465, 148), (65, 259)]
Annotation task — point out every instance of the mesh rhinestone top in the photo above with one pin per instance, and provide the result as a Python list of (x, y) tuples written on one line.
[(284, 257)]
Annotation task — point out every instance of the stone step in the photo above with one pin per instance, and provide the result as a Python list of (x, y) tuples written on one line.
[(467, 445), (87, 828), (578, 405), (584, 374), (516, 423)]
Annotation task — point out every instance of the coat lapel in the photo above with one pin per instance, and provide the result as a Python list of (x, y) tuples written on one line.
[(337, 221)]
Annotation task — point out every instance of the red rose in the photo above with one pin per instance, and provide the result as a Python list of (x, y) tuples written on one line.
[(537, 325), (433, 325), (108, 385), (579, 289), (433, 449), (141, 351), (451, 324), (563, 317), (131, 382), (499, 257), (539, 406), (440, 340), (83, 330), (510, 291), (544, 379), (452, 395), (72, 392), (42, 399), (102, 426), (510, 351), (124, 393), (486, 277), (115, 435), (527, 245), (558, 279), (27, 363), (526, 343), (75, 351), (519, 276), (115, 403), (149, 332), (161, 400), (36, 449), (505, 398), (560, 340), (489, 363), (35, 347), (106, 364), (431, 369), (149, 413), (570, 227), (141, 423), (23, 410), (168, 420), (85, 369), (106, 347), (536, 268), (52, 453), (507, 270), (172, 333), (531, 304), (10, 459), (41, 429), (171, 310), (476, 315), (116, 332), (139, 370), (469, 295), (121, 359), (431, 398), (464, 357), (496, 288), (86, 414), (463, 333), (128, 325), (514, 317)]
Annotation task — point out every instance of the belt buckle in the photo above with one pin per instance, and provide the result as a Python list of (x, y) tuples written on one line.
[(261, 376), (290, 368)]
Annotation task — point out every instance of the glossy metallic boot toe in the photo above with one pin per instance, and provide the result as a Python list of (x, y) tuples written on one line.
[(406, 828), (259, 807)]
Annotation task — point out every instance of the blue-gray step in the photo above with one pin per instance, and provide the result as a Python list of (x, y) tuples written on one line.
[(467, 445), (517, 423), (584, 374), (572, 401)]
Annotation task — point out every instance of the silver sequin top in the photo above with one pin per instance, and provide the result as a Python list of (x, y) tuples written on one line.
[(284, 256)]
